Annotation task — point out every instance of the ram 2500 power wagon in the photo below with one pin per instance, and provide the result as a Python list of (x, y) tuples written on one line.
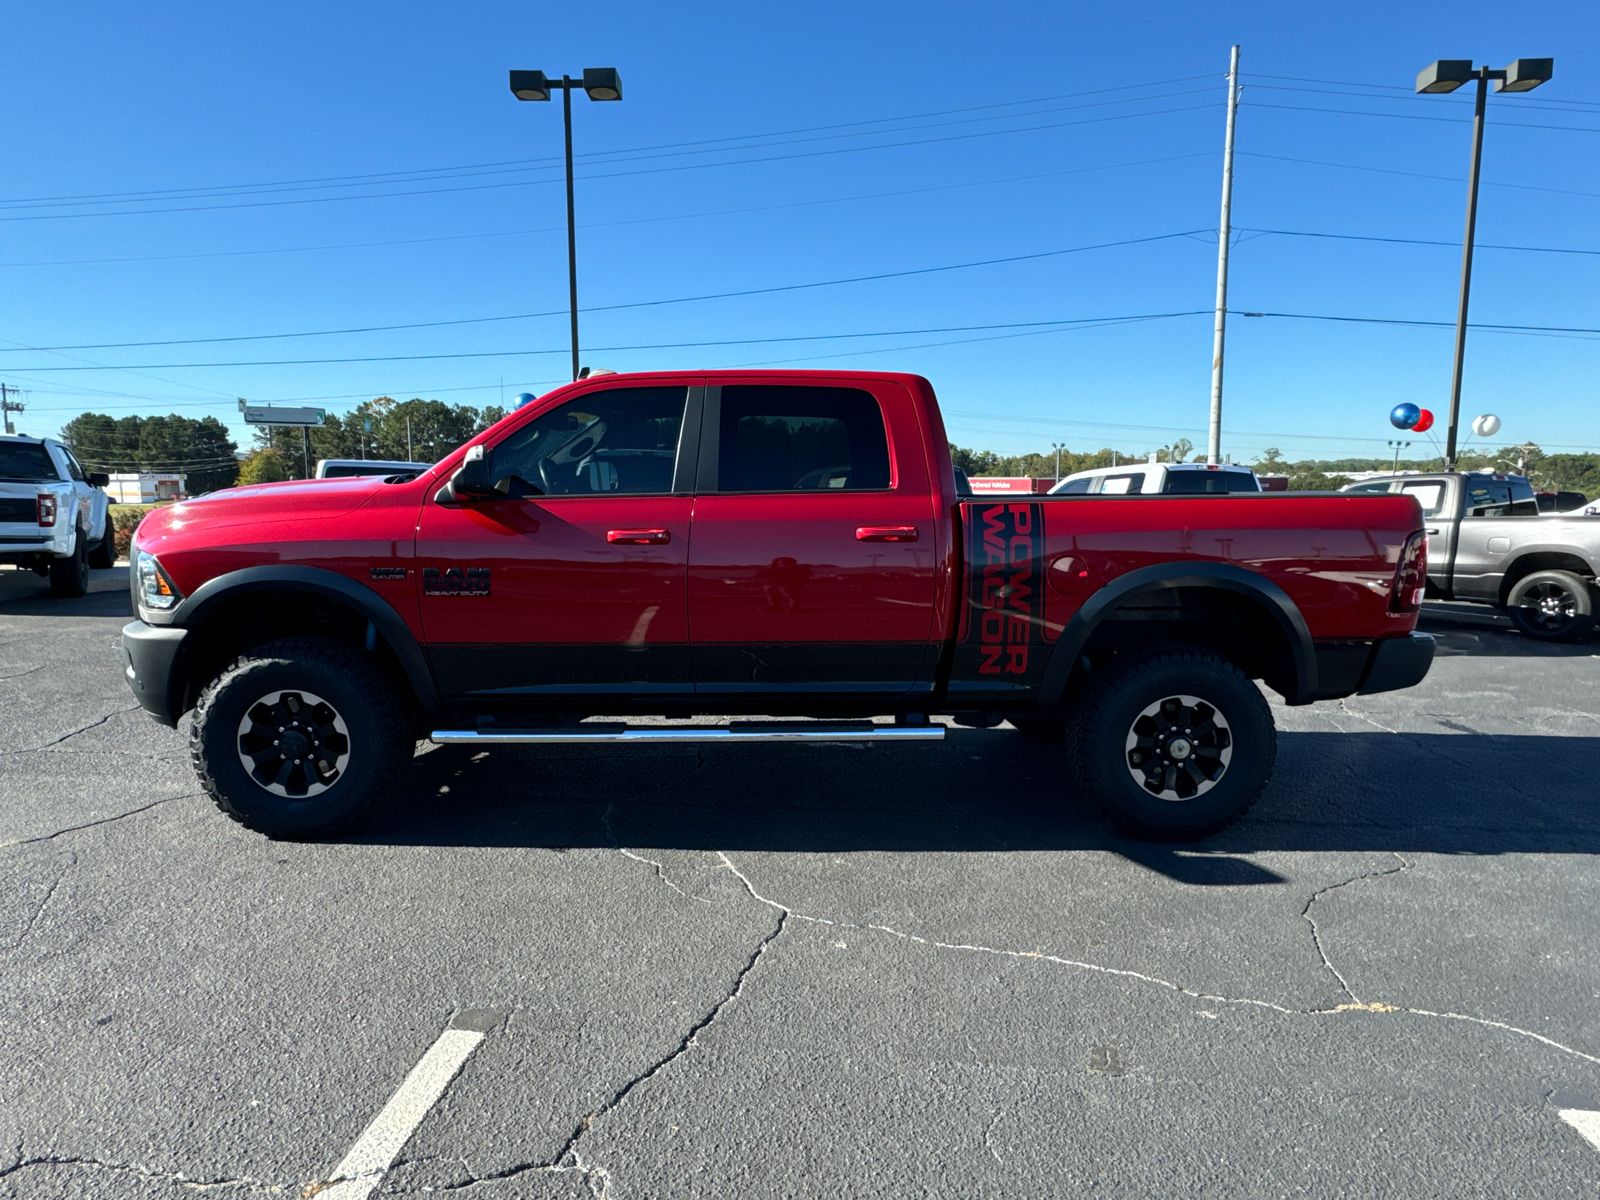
[(783, 544)]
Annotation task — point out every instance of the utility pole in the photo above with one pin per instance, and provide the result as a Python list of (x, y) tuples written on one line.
[(1214, 441), (410, 457), (8, 405)]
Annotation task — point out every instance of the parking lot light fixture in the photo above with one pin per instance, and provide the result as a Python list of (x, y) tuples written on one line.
[(1446, 75), (600, 83)]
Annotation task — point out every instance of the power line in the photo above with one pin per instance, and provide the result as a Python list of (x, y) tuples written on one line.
[(1354, 112), (1487, 328), (616, 174), (1456, 245), (1393, 87), (645, 346), (174, 193), (988, 262), (1143, 162), (1314, 162)]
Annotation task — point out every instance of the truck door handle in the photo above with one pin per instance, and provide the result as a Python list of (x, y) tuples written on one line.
[(638, 537), (1435, 532), (887, 533)]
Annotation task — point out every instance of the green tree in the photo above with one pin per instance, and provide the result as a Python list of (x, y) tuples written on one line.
[(435, 429), (199, 449), (262, 466)]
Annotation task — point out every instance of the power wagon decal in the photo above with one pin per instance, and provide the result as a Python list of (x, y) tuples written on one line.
[(1003, 640)]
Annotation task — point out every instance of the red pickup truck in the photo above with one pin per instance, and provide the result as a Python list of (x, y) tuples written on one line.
[(785, 544)]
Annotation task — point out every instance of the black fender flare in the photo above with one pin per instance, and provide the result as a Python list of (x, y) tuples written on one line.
[(1221, 576), (391, 625)]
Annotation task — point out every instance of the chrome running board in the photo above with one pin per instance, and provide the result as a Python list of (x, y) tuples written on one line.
[(739, 731)]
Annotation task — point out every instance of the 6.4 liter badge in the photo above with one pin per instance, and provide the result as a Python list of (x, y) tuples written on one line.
[(455, 581)]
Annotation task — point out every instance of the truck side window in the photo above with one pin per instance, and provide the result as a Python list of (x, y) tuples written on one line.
[(73, 469), (1429, 495), (1523, 501), (1122, 485), (622, 441), (1075, 486), (1488, 498), (775, 438)]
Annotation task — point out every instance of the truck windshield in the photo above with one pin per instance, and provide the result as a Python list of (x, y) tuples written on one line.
[(25, 460)]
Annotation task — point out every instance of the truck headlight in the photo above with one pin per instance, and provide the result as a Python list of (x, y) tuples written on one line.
[(156, 590)]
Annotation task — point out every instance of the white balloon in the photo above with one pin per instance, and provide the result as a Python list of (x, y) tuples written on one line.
[(1487, 425)]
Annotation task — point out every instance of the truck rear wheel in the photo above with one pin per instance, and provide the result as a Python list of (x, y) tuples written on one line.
[(104, 556), (1553, 606), (297, 738), (69, 577), (1174, 744)]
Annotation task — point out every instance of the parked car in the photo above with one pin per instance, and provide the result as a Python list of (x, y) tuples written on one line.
[(1488, 543), (340, 468), (781, 543), (53, 514), (1158, 478)]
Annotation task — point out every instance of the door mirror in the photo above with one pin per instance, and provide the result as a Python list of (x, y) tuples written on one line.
[(98, 479), (471, 480)]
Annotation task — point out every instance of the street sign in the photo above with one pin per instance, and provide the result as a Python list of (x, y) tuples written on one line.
[(266, 414)]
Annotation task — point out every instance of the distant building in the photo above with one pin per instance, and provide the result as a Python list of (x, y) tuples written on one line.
[(147, 487)]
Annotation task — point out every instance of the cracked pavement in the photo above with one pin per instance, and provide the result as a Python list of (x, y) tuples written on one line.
[(801, 970)]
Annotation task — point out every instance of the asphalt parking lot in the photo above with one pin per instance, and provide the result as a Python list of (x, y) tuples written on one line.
[(806, 971)]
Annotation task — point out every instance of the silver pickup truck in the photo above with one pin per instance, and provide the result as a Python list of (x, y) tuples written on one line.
[(1488, 543)]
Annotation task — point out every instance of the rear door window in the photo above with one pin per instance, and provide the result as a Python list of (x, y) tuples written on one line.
[(1075, 486), (622, 441), (773, 438), (1122, 485), (1523, 501), (1488, 498), (1429, 495)]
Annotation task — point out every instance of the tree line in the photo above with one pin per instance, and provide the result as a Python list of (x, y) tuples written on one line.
[(199, 448)]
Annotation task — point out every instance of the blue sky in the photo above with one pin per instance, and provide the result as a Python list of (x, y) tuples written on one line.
[(287, 168)]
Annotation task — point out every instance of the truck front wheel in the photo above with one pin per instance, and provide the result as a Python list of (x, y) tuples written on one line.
[(1553, 606), (1174, 744), (297, 738)]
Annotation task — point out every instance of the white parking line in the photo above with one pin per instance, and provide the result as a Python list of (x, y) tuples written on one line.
[(362, 1170), (1585, 1122)]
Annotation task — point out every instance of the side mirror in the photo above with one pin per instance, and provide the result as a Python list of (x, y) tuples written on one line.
[(97, 479), (471, 480)]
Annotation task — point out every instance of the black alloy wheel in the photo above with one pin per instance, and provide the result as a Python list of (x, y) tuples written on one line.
[(1173, 743), (298, 738), (1553, 606)]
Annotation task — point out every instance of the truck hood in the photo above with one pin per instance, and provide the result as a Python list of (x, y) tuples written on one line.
[(295, 500)]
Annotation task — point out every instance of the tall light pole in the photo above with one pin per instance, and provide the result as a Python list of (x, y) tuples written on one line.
[(601, 83), (1224, 232), (1447, 75), (1058, 447)]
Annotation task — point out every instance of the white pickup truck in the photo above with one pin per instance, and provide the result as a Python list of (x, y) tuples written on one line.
[(54, 515)]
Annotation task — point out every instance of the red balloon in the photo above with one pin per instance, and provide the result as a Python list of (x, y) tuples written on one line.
[(1424, 422)]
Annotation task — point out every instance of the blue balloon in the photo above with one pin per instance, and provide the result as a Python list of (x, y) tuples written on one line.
[(524, 398), (1404, 416)]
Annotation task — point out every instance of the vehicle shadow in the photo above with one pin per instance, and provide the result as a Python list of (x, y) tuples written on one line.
[(994, 791), (24, 594), (1493, 636)]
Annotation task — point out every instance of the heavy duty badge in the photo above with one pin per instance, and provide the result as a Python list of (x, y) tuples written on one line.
[(455, 581)]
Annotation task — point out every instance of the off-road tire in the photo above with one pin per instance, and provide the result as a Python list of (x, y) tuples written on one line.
[(69, 577), (104, 556), (1109, 716), (378, 742), (1552, 606)]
